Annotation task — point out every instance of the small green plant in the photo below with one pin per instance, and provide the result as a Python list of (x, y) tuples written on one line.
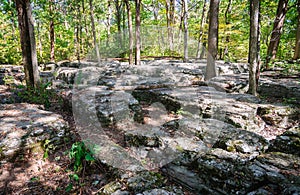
[(80, 153), (48, 146)]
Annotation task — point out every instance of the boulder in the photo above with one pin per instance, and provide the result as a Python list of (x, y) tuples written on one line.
[(24, 125), (11, 75), (288, 142), (289, 90), (222, 172)]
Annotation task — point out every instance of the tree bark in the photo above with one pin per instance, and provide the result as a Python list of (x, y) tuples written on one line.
[(40, 46), (118, 5), (212, 39), (185, 21), (297, 46), (28, 43), (130, 31), (108, 22), (254, 47), (277, 31), (94, 30), (138, 32), (170, 9), (52, 32), (227, 22), (202, 22)]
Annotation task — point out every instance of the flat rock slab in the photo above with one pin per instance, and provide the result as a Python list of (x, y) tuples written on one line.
[(24, 125)]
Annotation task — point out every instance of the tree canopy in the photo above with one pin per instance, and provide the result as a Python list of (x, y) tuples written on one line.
[(64, 28)]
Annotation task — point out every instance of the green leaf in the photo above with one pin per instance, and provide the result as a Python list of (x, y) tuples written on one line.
[(69, 187), (89, 157)]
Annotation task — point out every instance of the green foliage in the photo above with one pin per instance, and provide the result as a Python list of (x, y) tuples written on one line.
[(80, 153), (288, 68), (40, 95), (8, 80), (48, 146), (70, 16)]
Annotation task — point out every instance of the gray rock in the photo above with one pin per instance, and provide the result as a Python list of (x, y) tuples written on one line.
[(11, 75), (145, 181), (288, 142), (24, 125), (156, 192), (66, 74), (120, 192), (280, 89)]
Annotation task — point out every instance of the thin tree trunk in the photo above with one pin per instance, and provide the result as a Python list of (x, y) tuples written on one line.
[(185, 56), (137, 32), (277, 31), (202, 21), (130, 31), (254, 47), (297, 46), (40, 45), (212, 39), (118, 5), (170, 8), (52, 32), (78, 32), (109, 13), (155, 13), (28, 43), (227, 22), (94, 30)]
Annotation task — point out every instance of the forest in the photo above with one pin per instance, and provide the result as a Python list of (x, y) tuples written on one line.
[(150, 97), (64, 30)]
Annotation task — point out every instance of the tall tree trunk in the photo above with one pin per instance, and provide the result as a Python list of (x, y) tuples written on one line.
[(156, 9), (202, 22), (78, 40), (277, 31), (28, 43), (94, 30), (227, 22), (118, 5), (108, 22), (170, 9), (185, 56), (40, 45), (254, 47), (130, 31), (52, 32), (212, 39), (297, 46), (138, 32)]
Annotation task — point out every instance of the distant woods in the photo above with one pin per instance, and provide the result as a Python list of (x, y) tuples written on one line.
[(66, 29)]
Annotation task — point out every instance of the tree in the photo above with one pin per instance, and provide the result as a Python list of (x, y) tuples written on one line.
[(277, 31), (185, 22), (119, 10), (52, 32), (170, 10), (138, 32), (202, 22), (28, 42), (130, 31), (254, 47), (297, 46), (227, 22), (94, 30), (212, 39)]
